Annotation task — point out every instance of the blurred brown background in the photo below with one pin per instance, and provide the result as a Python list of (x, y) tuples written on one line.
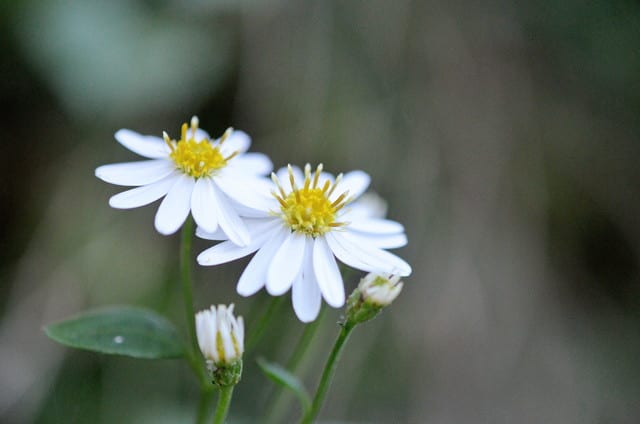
[(504, 135)]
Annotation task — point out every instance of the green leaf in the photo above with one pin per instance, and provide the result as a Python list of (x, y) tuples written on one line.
[(284, 378), (120, 330)]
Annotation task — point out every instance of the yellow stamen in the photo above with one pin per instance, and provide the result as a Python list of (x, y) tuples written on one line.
[(197, 158), (308, 210)]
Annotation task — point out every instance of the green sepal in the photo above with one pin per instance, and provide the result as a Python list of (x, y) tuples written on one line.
[(225, 375)]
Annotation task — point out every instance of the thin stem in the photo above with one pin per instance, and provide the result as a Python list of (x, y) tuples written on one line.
[(261, 325), (278, 405), (327, 374), (192, 355), (224, 400), (204, 406)]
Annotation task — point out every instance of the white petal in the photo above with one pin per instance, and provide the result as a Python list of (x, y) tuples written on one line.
[(356, 182), (217, 235), (175, 207), (305, 293), (253, 163), (369, 205), (381, 241), (238, 141), (327, 273), (229, 220), (203, 205), (257, 227), (148, 146), (135, 173), (365, 257), (144, 195), (254, 276), (225, 252), (375, 225), (286, 264), (248, 192)]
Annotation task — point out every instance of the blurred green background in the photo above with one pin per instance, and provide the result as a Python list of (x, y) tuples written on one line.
[(504, 135)]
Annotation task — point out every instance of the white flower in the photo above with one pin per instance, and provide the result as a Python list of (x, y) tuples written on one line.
[(380, 289), (311, 219), (210, 179), (220, 335)]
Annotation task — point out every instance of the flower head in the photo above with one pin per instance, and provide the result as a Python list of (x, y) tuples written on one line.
[(313, 219), (374, 292), (380, 289), (220, 335), (215, 180)]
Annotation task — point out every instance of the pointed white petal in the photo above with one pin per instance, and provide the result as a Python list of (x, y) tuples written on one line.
[(252, 163), (305, 293), (144, 195), (369, 205), (254, 276), (226, 251), (229, 220), (327, 273), (257, 227), (203, 205), (286, 264), (356, 182), (135, 173), (148, 146), (375, 225), (175, 207), (364, 256), (238, 141), (217, 235), (381, 241), (248, 192)]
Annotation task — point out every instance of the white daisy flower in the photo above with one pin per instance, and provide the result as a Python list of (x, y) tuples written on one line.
[(309, 223), (220, 335), (209, 178)]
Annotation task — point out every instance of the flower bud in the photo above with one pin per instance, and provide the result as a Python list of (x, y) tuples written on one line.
[(374, 292), (221, 340), (381, 289)]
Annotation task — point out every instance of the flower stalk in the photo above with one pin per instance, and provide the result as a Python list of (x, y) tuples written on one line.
[(327, 374), (374, 292)]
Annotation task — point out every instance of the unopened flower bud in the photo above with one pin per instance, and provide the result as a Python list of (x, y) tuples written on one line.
[(380, 289), (221, 340), (374, 292)]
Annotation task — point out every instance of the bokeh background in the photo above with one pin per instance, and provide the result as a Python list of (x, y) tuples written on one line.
[(504, 135)]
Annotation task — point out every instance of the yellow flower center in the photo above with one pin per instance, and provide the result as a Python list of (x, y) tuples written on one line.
[(308, 210), (197, 158)]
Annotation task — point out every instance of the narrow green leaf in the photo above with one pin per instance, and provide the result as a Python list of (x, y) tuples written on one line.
[(120, 330), (284, 378)]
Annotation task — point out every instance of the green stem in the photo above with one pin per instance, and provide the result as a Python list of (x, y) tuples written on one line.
[(192, 355), (224, 400), (327, 374), (261, 325), (278, 405), (206, 396)]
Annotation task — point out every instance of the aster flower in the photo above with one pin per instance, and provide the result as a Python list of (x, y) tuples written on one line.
[(312, 220), (220, 335), (380, 290), (221, 340), (212, 179)]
